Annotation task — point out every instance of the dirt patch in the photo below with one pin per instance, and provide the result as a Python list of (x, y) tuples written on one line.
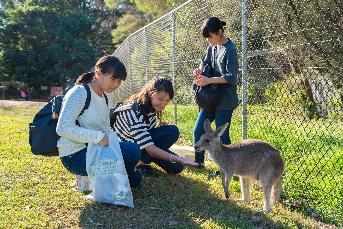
[(22, 104)]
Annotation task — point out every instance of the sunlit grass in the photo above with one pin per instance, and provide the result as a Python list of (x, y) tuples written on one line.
[(35, 192)]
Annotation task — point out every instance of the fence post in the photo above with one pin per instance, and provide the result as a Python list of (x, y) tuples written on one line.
[(244, 69), (174, 60), (146, 54), (130, 64)]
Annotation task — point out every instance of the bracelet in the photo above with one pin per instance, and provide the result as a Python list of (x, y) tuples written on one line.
[(170, 159)]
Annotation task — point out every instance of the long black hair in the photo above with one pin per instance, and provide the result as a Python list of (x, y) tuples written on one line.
[(107, 65), (142, 97), (212, 25)]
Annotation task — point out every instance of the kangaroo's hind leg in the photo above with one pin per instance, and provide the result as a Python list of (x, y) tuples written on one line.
[(267, 190), (245, 186), (266, 179)]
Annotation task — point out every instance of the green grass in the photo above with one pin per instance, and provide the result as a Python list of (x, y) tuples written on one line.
[(35, 192)]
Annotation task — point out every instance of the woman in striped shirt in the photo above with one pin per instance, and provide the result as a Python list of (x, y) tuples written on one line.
[(136, 121)]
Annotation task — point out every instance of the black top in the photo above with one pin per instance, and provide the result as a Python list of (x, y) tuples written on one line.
[(224, 61)]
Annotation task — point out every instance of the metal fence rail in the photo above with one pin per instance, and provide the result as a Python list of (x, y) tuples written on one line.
[(292, 83)]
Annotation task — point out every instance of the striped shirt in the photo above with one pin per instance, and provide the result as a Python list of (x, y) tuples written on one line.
[(130, 125)]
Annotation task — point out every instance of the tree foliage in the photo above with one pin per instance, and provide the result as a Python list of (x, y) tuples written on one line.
[(138, 13), (157, 8), (47, 42), (128, 24), (40, 46)]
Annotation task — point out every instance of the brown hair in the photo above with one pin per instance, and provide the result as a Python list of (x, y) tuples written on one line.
[(156, 84)]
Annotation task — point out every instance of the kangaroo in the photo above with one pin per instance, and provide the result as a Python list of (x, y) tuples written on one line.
[(250, 159)]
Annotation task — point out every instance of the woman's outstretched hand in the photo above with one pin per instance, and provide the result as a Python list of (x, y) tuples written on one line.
[(190, 163)]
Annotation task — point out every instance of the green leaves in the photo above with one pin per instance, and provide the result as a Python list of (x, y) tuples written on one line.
[(128, 24), (41, 45)]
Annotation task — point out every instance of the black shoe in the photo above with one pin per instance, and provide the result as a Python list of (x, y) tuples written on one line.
[(145, 169)]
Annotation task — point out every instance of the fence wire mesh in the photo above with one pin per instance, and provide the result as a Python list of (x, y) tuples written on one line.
[(295, 84)]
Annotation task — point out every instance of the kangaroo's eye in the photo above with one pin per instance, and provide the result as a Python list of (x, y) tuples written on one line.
[(207, 140)]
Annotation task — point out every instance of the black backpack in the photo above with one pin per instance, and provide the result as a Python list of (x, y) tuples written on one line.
[(42, 131), (209, 96)]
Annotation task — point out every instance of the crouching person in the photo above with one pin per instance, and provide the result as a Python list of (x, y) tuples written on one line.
[(136, 121), (84, 118)]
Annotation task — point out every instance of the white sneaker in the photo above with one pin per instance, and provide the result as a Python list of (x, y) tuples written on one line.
[(83, 184)]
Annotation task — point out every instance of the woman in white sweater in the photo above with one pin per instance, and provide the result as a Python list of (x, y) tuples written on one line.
[(78, 126)]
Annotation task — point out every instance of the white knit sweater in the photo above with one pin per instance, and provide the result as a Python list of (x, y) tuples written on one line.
[(94, 121)]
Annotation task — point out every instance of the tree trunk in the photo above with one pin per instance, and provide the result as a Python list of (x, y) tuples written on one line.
[(310, 104)]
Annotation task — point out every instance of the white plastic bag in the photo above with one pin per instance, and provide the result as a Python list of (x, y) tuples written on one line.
[(107, 174)]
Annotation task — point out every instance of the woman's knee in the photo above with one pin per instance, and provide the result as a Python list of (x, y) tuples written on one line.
[(130, 151), (165, 136), (174, 132), (76, 163)]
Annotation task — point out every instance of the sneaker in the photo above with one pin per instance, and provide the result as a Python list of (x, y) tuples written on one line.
[(83, 184)]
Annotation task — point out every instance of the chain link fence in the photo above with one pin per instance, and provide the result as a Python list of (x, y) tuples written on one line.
[(294, 84)]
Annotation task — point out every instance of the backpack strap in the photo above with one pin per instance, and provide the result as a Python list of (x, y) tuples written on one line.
[(106, 98), (88, 99)]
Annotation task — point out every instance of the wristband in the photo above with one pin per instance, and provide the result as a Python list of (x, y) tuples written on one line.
[(170, 159)]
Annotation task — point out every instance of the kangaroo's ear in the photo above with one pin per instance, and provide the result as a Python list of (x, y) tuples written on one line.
[(207, 126), (220, 130)]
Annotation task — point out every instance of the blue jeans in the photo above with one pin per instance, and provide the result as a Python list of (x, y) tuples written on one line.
[(220, 117), (164, 137), (76, 163)]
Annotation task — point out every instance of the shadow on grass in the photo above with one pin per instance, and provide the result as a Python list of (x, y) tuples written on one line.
[(167, 201)]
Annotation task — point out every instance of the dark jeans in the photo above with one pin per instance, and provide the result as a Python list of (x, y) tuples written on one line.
[(76, 163), (164, 137), (220, 117)]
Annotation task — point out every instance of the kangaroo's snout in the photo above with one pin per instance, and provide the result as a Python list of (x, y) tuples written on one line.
[(198, 146)]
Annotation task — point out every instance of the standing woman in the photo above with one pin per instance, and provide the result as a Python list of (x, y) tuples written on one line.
[(136, 121), (221, 56), (93, 124)]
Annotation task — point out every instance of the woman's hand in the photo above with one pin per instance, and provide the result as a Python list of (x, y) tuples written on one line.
[(190, 163), (196, 72), (202, 81), (104, 141)]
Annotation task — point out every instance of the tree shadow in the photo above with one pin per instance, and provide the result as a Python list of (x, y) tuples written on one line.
[(168, 201)]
